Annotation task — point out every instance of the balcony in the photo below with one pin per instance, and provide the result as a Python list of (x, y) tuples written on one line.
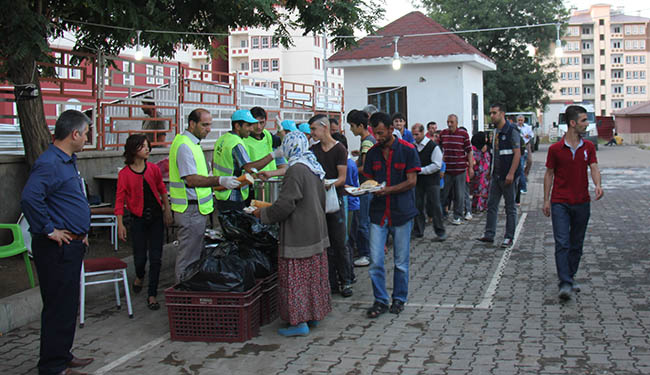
[(199, 54), (239, 30), (590, 96), (239, 52)]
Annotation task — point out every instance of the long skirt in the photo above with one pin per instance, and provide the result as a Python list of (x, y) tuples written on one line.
[(304, 289)]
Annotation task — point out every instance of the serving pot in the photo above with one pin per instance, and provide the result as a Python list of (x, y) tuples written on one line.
[(267, 191)]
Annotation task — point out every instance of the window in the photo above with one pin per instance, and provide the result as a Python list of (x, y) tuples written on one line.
[(586, 45), (274, 42), (586, 90), (586, 75), (602, 52), (617, 104), (563, 61), (275, 65), (602, 97), (160, 72), (618, 89), (149, 72), (601, 21), (616, 43), (127, 67), (602, 36), (244, 66), (617, 59), (635, 59), (642, 74), (243, 43), (628, 59), (586, 60), (265, 42), (576, 61), (616, 29), (602, 82), (642, 59), (602, 67), (570, 91), (642, 89), (576, 76), (388, 99), (629, 89), (563, 91), (635, 74), (255, 42), (316, 41), (586, 30), (265, 65), (172, 75), (256, 65), (628, 74), (275, 85), (617, 74), (570, 76), (563, 76), (636, 89), (573, 31)]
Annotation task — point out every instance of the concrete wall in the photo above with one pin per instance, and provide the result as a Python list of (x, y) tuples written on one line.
[(14, 173), (633, 129), (433, 91)]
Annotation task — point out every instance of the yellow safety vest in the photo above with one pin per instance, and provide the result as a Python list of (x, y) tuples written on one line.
[(223, 164), (177, 187), (257, 149)]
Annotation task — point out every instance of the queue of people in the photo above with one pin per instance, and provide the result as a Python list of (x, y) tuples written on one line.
[(314, 259)]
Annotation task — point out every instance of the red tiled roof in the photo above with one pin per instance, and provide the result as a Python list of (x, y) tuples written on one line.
[(412, 23)]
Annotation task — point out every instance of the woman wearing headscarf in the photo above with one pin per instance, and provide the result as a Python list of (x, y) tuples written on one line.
[(303, 280), (480, 184)]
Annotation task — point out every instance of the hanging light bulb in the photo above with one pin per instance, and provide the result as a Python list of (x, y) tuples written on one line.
[(138, 52), (559, 52), (397, 63)]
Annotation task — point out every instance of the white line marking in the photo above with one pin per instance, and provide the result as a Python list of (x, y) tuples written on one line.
[(492, 288), (127, 357)]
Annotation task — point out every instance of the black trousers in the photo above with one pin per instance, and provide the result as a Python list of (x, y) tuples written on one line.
[(339, 258), (147, 238), (426, 195), (58, 269)]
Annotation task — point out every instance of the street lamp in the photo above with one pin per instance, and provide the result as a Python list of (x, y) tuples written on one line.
[(558, 43), (138, 52), (397, 63)]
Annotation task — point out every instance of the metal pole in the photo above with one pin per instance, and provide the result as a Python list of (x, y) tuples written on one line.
[(325, 72)]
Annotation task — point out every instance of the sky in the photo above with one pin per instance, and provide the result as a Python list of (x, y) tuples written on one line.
[(397, 8)]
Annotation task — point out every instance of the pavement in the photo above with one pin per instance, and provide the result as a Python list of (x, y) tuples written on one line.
[(473, 309)]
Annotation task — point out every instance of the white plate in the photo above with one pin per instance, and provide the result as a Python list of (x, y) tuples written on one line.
[(249, 209), (356, 191)]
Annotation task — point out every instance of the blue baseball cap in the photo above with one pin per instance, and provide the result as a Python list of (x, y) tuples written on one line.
[(304, 127), (243, 115), (288, 125)]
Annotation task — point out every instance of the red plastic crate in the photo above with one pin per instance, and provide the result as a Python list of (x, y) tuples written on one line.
[(213, 316), (270, 301)]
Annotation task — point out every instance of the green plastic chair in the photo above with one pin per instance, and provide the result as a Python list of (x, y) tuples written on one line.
[(17, 247)]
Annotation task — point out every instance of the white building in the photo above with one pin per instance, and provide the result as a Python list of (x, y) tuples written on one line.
[(260, 60), (439, 75)]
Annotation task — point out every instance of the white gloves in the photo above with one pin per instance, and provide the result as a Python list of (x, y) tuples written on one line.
[(229, 182), (277, 153)]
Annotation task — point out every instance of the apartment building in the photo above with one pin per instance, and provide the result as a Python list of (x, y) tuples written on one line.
[(260, 60), (605, 62)]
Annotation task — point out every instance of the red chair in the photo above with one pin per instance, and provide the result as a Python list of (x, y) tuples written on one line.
[(104, 266)]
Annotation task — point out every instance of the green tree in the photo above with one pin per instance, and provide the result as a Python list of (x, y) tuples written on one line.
[(520, 81), (26, 25)]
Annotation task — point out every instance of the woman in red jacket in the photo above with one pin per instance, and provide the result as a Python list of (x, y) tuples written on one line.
[(140, 186)]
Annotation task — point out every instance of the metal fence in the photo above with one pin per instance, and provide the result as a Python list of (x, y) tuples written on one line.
[(121, 95)]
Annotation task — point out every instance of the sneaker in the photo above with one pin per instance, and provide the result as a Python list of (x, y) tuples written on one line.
[(523, 191), (362, 262), (298, 330), (565, 293), (468, 216), (456, 221), (347, 291), (576, 287), (442, 238), (507, 242)]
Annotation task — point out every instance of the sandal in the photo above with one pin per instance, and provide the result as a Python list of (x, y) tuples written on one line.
[(153, 305), (397, 307), (135, 287), (377, 309)]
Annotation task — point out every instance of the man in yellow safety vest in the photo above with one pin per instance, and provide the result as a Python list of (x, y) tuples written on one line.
[(190, 188), (231, 157)]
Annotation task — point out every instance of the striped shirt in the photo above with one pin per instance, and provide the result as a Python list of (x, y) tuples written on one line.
[(456, 147)]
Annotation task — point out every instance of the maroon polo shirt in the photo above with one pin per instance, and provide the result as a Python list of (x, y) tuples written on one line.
[(570, 183)]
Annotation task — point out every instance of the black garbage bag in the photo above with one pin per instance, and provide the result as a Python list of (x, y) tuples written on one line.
[(229, 273), (248, 230), (260, 262)]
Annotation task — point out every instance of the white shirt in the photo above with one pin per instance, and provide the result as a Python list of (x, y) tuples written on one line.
[(436, 157), (526, 132)]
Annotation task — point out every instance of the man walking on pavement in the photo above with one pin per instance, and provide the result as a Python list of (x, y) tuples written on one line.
[(427, 189), (568, 201), (231, 158), (505, 169), (457, 155), (526, 132), (190, 188), (57, 210), (394, 162)]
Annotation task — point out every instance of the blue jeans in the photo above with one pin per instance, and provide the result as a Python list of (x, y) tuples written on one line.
[(569, 227), (401, 242), (363, 231), (522, 177), (498, 188)]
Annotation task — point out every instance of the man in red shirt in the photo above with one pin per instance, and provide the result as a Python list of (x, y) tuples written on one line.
[(568, 203), (457, 154)]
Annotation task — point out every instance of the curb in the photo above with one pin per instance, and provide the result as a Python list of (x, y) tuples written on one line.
[(25, 307)]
